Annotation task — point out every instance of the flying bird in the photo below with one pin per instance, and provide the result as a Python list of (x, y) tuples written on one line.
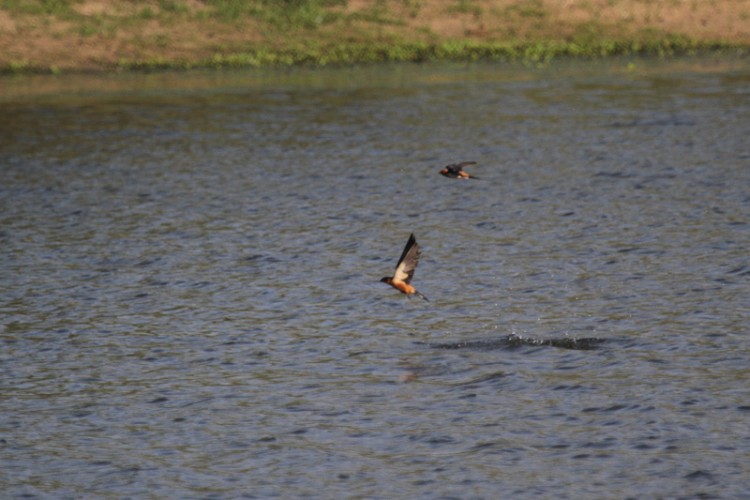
[(456, 170), (405, 269)]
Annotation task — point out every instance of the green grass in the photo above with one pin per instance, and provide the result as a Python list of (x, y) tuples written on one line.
[(466, 7), (534, 53), (528, 9), (280, 14), (173, 7), (37, 7), (528, 53)]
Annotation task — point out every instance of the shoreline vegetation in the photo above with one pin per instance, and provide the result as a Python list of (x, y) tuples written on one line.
[(82, 36)]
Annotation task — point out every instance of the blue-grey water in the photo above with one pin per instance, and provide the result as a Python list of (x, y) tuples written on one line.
[(190, 305)]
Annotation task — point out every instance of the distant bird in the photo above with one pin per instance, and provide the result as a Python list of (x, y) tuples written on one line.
[(456, 170), (405, 269)]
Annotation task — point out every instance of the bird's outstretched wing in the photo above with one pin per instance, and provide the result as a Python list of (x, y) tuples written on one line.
[(408, 261)]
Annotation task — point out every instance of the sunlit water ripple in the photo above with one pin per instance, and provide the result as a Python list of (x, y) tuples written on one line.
[(190, 305)]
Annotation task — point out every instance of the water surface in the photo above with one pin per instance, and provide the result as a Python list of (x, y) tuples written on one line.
[(190, 305)]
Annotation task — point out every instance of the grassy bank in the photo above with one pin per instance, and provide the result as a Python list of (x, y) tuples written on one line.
[(107, 35)]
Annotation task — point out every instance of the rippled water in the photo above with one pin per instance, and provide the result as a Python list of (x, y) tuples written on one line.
[(190, 305)]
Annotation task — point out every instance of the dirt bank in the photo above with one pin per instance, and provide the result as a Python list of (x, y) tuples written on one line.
[(104, 35)]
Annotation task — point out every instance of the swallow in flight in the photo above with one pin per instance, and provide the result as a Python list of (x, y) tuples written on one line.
[(456, 170), (405, 269)]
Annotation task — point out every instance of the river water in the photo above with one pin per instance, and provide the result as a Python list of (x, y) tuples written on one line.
[(190, 305)]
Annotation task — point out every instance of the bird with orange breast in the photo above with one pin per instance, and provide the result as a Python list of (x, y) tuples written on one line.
[(456, 170), (401, 279)]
